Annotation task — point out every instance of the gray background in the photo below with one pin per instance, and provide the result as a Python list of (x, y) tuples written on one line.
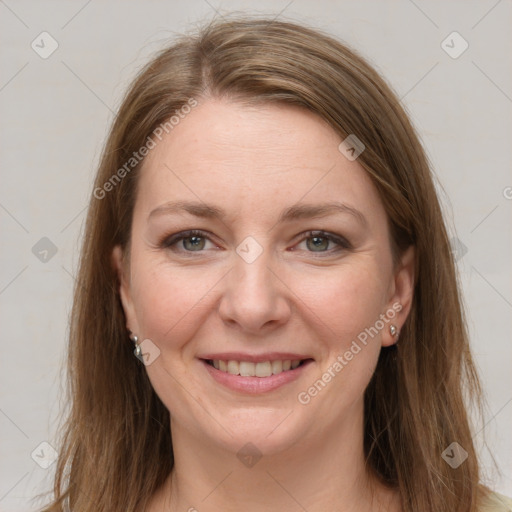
[(55, 113)]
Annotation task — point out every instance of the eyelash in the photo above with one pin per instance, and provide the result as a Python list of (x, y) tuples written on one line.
[(343, 244)]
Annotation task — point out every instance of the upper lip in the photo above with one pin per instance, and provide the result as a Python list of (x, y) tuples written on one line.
[(253, 358)]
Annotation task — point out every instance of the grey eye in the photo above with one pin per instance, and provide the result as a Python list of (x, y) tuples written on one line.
[(317, 243), (193, 243)]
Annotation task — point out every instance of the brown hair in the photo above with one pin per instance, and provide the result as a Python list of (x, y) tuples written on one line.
[(116, 449)]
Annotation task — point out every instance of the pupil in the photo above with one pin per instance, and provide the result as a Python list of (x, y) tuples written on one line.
[(193, 243), (318, 243)]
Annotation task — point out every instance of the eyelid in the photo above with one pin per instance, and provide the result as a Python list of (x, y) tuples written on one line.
[(171, 240), (341, 242)]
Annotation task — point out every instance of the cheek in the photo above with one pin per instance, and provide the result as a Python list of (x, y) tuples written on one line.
[(346, 304), (169, 303), (349, 305), (346, 300)]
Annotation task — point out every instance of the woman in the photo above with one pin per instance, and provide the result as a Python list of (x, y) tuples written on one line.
[(264, 235)]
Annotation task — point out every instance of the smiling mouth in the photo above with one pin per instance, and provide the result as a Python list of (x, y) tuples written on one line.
[(260, 369)]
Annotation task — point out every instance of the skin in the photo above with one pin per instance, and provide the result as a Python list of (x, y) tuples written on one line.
[(254, 163)]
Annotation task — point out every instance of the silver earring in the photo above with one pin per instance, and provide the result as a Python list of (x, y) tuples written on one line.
[(393, 330), (135, 339)]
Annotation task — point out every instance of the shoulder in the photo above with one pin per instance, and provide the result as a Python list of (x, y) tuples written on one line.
[(495, 502)]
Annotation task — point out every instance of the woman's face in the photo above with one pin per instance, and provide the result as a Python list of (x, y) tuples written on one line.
[(257, 244)]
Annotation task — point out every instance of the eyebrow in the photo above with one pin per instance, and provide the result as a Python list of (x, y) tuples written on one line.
[(296, 212)]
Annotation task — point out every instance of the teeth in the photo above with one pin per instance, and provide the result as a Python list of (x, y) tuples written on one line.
[(263, 369), (277, 367), (247, 369), (250, 369), (233, 368)]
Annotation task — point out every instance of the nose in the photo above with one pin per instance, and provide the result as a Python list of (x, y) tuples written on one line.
[(254, 299)]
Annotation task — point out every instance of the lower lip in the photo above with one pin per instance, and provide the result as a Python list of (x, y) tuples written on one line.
[(255, 385)]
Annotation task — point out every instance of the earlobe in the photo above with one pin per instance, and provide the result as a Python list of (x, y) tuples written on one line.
[(402, 296), (119, 267)]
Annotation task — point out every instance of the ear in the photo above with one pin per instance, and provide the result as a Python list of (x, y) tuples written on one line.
[(122, 270), (401, 296)]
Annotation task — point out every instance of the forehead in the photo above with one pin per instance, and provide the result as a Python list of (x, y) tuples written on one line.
[(255, 159)]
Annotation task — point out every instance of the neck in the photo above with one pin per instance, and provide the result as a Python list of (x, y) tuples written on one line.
[(314, 475)]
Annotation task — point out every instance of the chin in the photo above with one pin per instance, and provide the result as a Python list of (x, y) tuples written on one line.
[(262, 430)]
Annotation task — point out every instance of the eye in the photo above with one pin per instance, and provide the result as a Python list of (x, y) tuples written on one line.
[(187, 241), (197, 241), (321, 241)]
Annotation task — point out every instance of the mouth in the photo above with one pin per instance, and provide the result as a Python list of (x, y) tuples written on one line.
[(260, 369), (254, 377)]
